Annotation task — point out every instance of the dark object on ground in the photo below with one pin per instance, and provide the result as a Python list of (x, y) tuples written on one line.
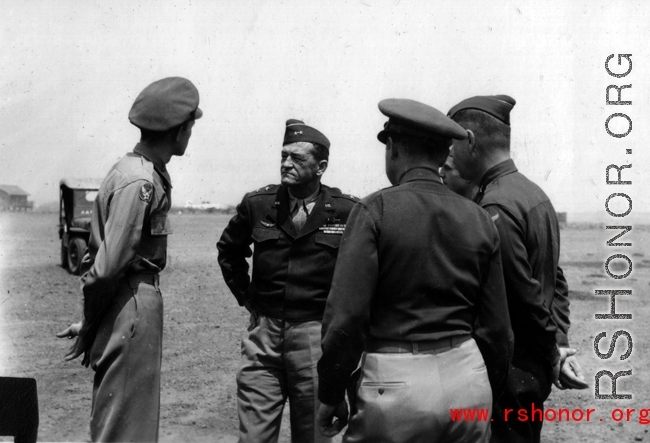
[(19, 409)]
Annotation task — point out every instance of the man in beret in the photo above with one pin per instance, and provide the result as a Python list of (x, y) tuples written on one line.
[(530, 246), (120, 334), (418, 295), (296, 229)]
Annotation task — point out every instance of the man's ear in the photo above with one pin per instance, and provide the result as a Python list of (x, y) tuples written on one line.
[(471, 140), (179, 130), (392, 148), (322, 167)]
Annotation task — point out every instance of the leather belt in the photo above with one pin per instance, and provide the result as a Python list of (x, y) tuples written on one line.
[(414, 347)]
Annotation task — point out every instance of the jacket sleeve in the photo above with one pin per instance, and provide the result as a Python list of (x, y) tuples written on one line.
[(525, 299), (122, 235), (560, 309), (234, 248), (492, 330), (346, 314)]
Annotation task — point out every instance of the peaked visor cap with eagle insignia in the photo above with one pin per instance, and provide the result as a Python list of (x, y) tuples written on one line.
[(146, 192), (298, 131)]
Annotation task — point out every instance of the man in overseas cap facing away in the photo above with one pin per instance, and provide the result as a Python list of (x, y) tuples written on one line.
[(120, 333), (418, 285), (530, 247), (296, 230)]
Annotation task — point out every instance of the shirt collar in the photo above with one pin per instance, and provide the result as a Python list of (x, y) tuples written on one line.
[(153, 157), (504, 168), (293, 201), (420, 173)]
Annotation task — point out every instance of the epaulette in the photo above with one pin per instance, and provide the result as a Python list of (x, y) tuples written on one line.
[(135, 167), (265, 190), (346, 196)]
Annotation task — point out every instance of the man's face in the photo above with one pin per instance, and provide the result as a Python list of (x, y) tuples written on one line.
[(183, 138), (462, 160), (298, 165), (454, 181)]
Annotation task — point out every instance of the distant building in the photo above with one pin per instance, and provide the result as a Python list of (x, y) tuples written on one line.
[(12, 198)]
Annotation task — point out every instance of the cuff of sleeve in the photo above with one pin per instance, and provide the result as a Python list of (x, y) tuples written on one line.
[(562, 339), (330, 393)]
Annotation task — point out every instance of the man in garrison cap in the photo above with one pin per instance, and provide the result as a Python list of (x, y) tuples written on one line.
[(120, 334), (418, 295), (530, 247), (296, 230)]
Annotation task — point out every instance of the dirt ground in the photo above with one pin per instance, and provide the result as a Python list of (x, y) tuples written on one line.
[(203, 327)]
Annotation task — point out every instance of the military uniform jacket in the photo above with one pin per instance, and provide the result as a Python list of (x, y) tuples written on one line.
[(530, 248), (417, 263), (292, 271), (129, 229)]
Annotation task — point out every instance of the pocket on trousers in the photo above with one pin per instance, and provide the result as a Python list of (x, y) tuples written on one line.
[(380, 388), (147, 301), (480, 367)]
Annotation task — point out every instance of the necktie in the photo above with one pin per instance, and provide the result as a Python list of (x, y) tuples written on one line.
[(300, 216)]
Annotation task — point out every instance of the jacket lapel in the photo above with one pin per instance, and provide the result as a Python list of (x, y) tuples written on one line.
[(282, 206), (323, 210)]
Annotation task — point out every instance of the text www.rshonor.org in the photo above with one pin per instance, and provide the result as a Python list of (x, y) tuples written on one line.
[(552, 415)]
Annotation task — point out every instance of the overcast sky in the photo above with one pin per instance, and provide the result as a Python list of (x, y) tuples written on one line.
[(70, 70)]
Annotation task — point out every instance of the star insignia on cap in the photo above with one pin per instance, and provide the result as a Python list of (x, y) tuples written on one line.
[(297, 132), (267, 188)]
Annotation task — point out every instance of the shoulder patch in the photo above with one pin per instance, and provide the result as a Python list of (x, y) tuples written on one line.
[(146, 192)]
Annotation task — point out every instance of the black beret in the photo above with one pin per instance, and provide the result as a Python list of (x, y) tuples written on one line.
[(165, 104), (415, 119), (298, 131), (498, 106)]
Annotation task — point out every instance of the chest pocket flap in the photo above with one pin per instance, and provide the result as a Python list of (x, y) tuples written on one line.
[(160, 225), (331, 240), (264, 234)]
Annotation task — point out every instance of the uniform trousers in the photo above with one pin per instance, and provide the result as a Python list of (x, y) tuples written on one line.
[(407, 397), (279, 360), (126, 356), (528, 385)]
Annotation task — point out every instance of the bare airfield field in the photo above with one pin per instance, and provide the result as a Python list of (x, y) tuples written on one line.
[(203, 326)]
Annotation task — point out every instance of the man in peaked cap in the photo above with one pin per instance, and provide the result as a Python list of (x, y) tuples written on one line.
[(418, 295), (120, 334), (296, 229), (530, 246)]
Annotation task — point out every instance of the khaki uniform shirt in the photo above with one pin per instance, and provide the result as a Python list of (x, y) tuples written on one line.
[(129, 229)]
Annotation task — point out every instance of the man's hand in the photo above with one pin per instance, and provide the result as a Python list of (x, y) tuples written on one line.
[(326, 413), (571, 374), (70, 332)]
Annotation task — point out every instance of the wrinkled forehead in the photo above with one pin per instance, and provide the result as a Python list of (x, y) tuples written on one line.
[(298, 148)]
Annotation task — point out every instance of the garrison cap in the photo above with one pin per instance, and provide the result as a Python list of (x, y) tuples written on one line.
[(298, 131), (415, 119), (498, 106), (165, 104)]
